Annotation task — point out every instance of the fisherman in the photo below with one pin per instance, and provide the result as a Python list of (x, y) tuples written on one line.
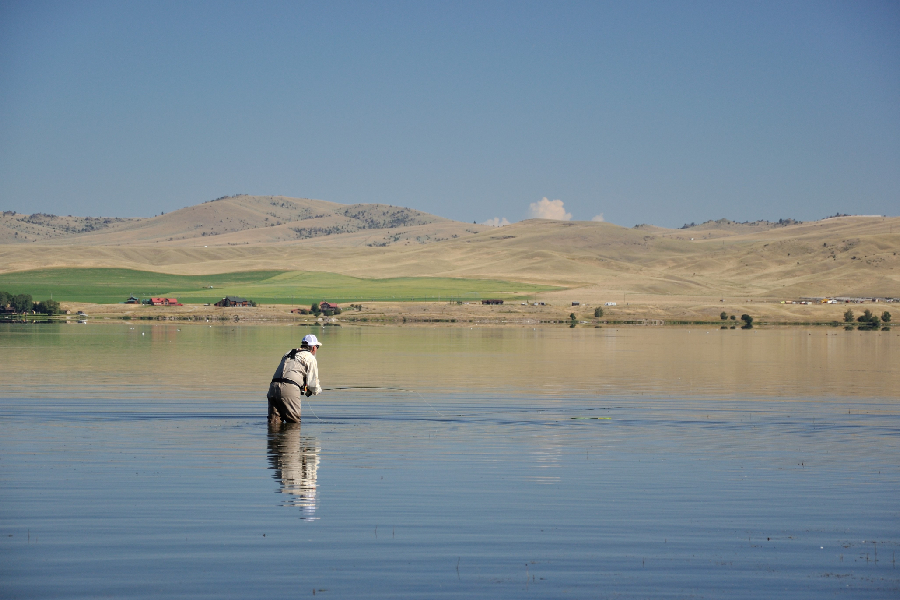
[(297, 374)]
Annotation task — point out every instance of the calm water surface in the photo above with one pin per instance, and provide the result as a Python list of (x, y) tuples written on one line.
[(135, 461)]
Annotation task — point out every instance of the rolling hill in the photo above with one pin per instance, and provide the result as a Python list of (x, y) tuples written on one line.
[(243, 220), (847, 255)]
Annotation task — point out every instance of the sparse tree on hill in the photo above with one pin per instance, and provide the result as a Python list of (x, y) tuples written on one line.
[(598, 312), (849, 316), (724, 315), (732, 317), (886, 317)]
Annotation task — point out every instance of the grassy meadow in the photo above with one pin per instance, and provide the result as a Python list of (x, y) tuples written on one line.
[(107, 286)]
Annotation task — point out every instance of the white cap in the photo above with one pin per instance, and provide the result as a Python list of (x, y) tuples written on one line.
[(311, 340)]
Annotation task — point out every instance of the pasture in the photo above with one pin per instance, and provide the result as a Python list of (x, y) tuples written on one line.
[(108, 286)]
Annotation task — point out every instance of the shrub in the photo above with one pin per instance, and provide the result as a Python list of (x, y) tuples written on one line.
[(598, 312), (848, 316), (886, 317), (724, 315)]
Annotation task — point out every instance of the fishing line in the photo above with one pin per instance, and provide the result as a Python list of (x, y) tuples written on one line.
[(310, 407), (429, 404), (368, 387)]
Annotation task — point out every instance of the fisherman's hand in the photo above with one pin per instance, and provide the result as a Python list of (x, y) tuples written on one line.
[(308, 392)]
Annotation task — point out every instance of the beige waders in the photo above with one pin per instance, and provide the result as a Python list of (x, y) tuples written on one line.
[(284, 402)]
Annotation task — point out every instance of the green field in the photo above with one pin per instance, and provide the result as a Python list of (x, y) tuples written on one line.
[(108, 286)]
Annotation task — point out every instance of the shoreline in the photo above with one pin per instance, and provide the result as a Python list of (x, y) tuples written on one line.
[(654, 311)]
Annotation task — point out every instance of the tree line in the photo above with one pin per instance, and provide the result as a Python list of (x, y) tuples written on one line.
[(23, 303), (867, 320)]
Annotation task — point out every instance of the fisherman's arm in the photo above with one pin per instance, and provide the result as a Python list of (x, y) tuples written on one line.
[(312, 379)]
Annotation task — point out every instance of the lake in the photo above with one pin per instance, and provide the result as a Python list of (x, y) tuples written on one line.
[(638, 462)]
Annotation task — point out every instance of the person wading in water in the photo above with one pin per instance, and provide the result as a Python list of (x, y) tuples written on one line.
[(297, 374)]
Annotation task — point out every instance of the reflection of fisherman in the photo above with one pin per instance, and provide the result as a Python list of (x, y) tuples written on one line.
[(297, 374), (295, 459)]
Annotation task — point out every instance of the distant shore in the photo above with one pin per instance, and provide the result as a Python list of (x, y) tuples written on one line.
[(637, 311)]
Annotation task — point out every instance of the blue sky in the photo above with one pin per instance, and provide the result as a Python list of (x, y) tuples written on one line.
[(642, 112)]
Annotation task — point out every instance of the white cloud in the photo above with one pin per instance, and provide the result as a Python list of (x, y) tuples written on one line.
[(496, 222), (549, 209), (599, 218)]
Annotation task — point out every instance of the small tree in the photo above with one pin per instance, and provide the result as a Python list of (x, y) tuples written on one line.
[(724, 315), (598, 312), (746, 318), (886, 317), (849, 316), (732, 317), (314, 309)]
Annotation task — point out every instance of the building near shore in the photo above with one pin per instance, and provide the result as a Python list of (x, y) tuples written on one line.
[(233, 301), (164, 302)]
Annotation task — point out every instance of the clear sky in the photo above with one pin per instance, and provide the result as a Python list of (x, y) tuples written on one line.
[(642, 112)]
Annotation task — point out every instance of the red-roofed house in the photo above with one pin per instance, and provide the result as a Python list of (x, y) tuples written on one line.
[(165, 302)]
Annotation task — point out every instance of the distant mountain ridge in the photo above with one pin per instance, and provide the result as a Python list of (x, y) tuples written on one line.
[(243, 220)]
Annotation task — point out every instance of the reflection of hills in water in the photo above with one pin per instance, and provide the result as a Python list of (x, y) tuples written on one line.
[(295, 459)]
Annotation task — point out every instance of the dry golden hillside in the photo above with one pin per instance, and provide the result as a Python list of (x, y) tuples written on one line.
[(837, 256), (17, 228), (243, 220)]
